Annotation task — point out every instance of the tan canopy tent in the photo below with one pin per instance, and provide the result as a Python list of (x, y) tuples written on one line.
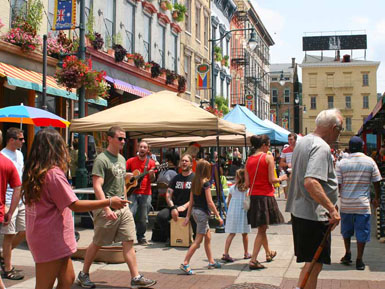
[(161, 114), (210, 141)]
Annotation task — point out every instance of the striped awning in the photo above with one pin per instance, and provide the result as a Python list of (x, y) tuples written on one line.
[(28, 79), (121, 85)]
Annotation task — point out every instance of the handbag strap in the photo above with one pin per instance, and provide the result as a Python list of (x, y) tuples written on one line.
[(256, 170)]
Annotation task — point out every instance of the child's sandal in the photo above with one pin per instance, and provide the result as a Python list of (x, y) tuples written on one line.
[(186, 269), (227, 258), (214, 265)]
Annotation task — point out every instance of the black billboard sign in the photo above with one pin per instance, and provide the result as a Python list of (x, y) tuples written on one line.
[(336, 42)]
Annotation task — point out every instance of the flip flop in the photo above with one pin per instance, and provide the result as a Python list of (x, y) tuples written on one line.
[(271, 256), (247, 256), (227, 258), (256, 265), (186, 269)]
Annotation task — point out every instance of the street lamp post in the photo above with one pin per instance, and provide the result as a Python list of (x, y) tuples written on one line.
[(252, 43), (81, 172)]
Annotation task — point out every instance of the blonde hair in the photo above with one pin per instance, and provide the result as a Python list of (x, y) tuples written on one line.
[(202, 175)]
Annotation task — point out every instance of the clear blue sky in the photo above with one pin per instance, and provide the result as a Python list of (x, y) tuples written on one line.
[(287, 22)]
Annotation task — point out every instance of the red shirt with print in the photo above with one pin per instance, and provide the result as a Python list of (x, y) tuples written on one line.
[(8, 175), (135, 163)]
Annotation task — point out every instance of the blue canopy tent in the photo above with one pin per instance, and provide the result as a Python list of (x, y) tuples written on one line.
[(242, 115), (281, 134)]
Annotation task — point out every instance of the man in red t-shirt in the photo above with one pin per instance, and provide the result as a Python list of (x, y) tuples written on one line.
[(141, 198), (285, 161), (8, 175)]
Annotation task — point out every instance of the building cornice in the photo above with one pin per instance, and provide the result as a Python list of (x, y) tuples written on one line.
[(148, 7), (176, 28), (163, 18), (340, 64)]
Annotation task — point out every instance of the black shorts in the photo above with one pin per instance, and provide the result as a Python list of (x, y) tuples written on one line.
[(307, 236)]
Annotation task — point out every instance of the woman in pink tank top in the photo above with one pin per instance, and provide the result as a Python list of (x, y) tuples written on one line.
[(264, 209)]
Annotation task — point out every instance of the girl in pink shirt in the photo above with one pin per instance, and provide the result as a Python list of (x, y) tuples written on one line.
[(49, 200)]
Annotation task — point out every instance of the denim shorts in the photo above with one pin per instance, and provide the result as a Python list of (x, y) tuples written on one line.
[(359, 223), (202, 220)]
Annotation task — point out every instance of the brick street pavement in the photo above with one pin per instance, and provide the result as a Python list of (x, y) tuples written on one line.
[(162, 263)]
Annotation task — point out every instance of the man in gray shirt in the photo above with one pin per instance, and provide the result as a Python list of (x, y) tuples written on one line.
[(313, 193)]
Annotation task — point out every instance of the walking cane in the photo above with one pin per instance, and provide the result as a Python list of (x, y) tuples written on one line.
[(316, 256)]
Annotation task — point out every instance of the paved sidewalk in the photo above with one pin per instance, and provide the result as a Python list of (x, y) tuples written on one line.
[(162, 263)]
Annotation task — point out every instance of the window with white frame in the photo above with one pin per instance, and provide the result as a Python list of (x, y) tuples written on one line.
[(174, 53), (187, 71), (198, 22), (313, 80), (274, 95), (348, 123), (365, 101), (109, 21), (329, 80), (16, 8), (147, 38), (129, 11), (365, 79), (161, 47), (330, 101), (287, 95), (313, 102), (206, 31), (348, 101), (187, 17)]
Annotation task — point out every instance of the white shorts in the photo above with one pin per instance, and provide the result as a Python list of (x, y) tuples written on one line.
[(17, 223)]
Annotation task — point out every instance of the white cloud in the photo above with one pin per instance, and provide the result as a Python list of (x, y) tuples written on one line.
[(271, 19), (360, 21)]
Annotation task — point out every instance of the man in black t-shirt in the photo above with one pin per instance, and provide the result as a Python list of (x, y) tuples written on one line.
[(178, 199)]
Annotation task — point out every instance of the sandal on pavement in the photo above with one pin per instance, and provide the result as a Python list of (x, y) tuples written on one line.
[(247, 256), (227, 258), (347, 259), (256, 265), (215, 265), (270, 257), (186, 269), (12, 274)]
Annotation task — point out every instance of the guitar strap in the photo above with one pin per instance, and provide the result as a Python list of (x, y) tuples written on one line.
[(146, 164)]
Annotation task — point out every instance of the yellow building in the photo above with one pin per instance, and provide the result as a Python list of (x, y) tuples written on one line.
[(194, 48), (347, 84)]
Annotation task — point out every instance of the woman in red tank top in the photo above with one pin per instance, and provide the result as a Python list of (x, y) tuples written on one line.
[(263, 206)]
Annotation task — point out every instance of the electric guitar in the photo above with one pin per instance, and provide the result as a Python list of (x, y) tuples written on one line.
[(134, 182)]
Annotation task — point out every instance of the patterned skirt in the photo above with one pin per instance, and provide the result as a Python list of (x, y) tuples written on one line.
[(264, 211)]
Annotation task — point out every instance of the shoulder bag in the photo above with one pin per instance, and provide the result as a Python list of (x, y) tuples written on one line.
[(246, 201)]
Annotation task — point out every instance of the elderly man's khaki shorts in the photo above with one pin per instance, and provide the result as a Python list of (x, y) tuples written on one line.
[(107, 232)]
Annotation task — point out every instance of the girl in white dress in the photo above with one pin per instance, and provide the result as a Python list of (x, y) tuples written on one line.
[(236, 219)]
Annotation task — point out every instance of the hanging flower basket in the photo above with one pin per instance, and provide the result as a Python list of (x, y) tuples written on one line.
[(73, 73)]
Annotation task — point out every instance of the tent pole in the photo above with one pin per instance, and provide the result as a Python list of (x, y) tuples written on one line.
[(218, 185), (245, 146)]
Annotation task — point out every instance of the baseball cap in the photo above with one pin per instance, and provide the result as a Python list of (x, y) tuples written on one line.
[(355, 143)]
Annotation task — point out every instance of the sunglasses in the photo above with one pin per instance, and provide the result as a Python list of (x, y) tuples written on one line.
[(340, 128), (121, 138), (19, 138)]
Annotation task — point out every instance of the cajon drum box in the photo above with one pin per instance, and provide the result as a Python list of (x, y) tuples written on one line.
[(180, 236)]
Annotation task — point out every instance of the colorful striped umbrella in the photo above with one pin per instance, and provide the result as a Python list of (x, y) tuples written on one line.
[(31, 115)]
